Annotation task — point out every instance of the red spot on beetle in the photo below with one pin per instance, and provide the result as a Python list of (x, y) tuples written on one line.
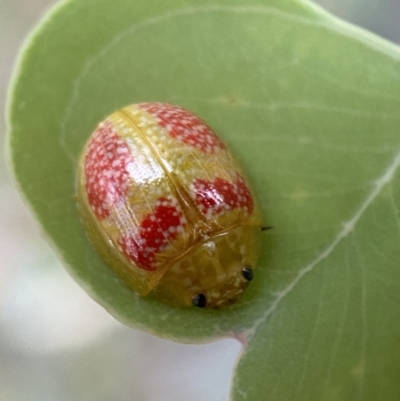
[(245, 198), (220, 194), (156, 232), (106, 169), (184, 126)]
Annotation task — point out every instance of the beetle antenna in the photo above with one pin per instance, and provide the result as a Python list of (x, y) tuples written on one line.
[(265, 228)]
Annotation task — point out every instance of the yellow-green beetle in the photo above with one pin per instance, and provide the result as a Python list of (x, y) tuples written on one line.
[(167, 206)]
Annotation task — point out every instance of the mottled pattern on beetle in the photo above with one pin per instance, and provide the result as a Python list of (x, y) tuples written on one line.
[(118, 170), (186, 161), (148, 181), (156, 232), (107, 163), (141, 194), (184, 126), (219, 195), (195, 170), (150, 219)]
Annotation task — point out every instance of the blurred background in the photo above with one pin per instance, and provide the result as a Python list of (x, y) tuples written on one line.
[(55, 342)]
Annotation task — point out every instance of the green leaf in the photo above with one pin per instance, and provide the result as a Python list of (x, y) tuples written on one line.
[(311, 107)]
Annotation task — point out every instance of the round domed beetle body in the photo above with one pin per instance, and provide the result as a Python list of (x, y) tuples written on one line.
[(167, 207)]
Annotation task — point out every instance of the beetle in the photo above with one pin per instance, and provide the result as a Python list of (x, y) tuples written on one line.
[(168, 207)]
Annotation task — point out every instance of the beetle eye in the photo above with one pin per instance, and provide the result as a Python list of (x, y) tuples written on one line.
[(247, 273), (200, 301)]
